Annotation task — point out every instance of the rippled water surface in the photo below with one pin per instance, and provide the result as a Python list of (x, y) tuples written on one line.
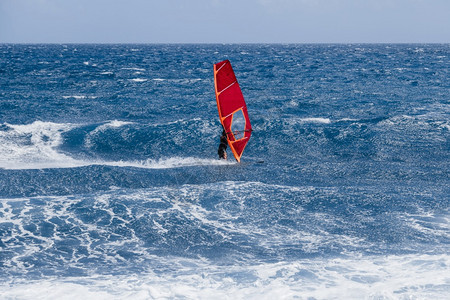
[(110, 186)]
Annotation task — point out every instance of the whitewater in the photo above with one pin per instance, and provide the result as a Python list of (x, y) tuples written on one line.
[(111, 187)]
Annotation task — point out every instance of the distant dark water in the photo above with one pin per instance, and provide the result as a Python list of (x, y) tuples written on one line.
[(110, 184)]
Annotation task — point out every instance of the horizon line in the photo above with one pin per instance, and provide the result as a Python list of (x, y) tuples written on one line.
[(223, 43)]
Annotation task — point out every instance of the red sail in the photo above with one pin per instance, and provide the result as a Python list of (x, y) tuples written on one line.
[(232, 108)]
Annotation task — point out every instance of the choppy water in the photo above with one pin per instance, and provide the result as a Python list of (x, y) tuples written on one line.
[(110, 186)]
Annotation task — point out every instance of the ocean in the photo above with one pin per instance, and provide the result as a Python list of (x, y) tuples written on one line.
[(111, 186)]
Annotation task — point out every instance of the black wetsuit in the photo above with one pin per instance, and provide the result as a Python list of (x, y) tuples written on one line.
[(223, 145)]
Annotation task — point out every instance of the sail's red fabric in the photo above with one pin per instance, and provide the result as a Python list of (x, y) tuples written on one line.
[(229, 101)]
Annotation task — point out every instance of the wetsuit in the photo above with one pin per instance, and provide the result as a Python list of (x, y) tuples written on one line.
[(223, 145)]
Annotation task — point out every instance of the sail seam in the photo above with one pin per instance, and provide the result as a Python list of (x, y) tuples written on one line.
[(232, 112), (227, 87), (221, 67)]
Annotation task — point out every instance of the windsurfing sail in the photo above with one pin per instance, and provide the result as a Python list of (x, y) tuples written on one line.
[(232, 108)]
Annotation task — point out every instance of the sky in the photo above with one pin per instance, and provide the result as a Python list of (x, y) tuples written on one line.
[(225, 21)]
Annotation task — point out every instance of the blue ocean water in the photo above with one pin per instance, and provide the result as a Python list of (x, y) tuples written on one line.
[(111, 188)]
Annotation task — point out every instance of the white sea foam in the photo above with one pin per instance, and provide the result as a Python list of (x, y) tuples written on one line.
[(103, 127), (139, 79), (88, 63), (114, 124), (348, 120), (313, 120), (316, 120), (387, 277), (79, 97), (75, 97), (354, 276), (36, 146), (167, 163), (134, 69), (179, 80)]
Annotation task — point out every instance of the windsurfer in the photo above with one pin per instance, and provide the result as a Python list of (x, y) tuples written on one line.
[(223, 146)]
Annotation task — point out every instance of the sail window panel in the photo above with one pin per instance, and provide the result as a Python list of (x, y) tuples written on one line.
[(238, 125)]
